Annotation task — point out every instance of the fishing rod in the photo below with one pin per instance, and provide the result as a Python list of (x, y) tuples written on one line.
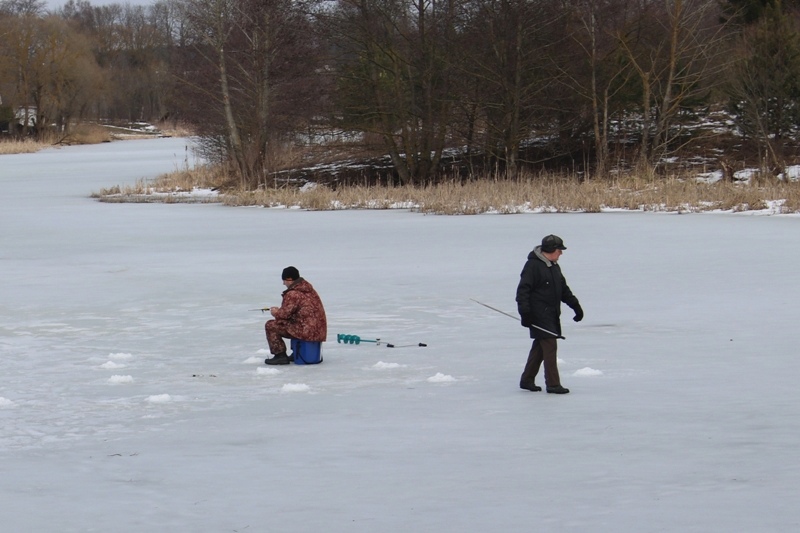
[(556, 335), (345, 338), (263, 309)]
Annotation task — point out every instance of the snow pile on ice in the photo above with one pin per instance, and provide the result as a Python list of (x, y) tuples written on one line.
[(441, 378), (121, 356), (267, 371), (586, 371), (253, 360), (381, 365), (159, 398), (120, 379), (111, 365), (5, 402), (295, 387)]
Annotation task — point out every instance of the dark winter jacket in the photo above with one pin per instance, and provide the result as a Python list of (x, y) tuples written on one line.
[(540, 292), (303, 313)]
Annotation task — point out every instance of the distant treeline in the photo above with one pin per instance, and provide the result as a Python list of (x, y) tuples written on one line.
[(586, 79)]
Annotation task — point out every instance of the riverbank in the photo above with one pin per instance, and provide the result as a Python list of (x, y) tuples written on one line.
[(548, 194), (88, 134)]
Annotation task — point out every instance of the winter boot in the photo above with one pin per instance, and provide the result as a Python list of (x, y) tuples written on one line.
[(529, 385), (557, 390), (279, 359)]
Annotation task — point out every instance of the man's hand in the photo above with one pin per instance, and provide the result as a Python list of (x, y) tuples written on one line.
[(525, 320), (578, 313), (273, 310)]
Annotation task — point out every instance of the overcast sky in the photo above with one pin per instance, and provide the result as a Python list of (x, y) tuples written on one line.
[(57, 4)]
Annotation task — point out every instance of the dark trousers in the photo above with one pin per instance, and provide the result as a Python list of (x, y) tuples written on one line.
[(542, 351)]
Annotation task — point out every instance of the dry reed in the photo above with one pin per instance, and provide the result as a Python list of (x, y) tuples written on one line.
[(87, 134), (22, 146), (545, 195), (167, 188), (528, 194)]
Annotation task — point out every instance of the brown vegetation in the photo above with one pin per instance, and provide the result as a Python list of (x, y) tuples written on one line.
[(21, 146), (548, 194), (529, 193), (87, 134)]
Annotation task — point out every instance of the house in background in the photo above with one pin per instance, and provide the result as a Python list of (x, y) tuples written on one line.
[(19, 120), (26, 115)]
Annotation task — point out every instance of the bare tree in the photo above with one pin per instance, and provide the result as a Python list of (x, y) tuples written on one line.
[(511, 51), (765, 84), (395, 71), (22, 7), (262, 55), (598, 73), (675, 48), (69, 78), (53, 71)]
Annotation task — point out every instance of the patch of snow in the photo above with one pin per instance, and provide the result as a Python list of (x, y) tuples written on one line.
[(441, 378), (792, 173), (710, 177), (159, 398), (120, 379), (295, 387), (745, 175), (382, 366), (587, 371)]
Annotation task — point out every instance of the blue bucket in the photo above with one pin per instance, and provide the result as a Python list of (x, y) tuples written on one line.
[(306, 352)]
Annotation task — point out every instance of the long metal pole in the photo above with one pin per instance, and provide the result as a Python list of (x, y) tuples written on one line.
[(517, 318)]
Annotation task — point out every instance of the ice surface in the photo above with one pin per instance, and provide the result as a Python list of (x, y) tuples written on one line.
[(686, 423)]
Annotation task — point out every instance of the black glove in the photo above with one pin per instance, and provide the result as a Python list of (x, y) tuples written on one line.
[(578, 313), (526, 320)]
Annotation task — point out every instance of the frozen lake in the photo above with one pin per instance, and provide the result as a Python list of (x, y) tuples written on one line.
[(133, 394)]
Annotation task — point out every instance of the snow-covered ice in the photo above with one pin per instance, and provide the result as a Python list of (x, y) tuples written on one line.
[(267, 371), (684, 373)]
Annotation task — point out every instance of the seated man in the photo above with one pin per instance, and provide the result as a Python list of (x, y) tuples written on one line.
[(300, 316)]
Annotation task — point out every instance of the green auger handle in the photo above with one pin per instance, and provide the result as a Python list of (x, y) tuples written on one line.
[(344, 338)]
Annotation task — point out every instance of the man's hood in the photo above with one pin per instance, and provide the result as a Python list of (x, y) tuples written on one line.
[(537, 253)]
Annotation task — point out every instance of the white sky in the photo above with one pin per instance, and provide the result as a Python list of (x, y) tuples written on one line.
[(57, 4), (133, 396)]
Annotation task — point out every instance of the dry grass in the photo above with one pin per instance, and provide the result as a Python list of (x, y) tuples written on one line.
[(202, 177), (546, 194), (175, 129), (22, 146), (79, 134), (167, 188), (88, 134), (530, 194)]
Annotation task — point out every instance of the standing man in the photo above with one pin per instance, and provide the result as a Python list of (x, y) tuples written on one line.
[(540, 292), (300, 316)]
